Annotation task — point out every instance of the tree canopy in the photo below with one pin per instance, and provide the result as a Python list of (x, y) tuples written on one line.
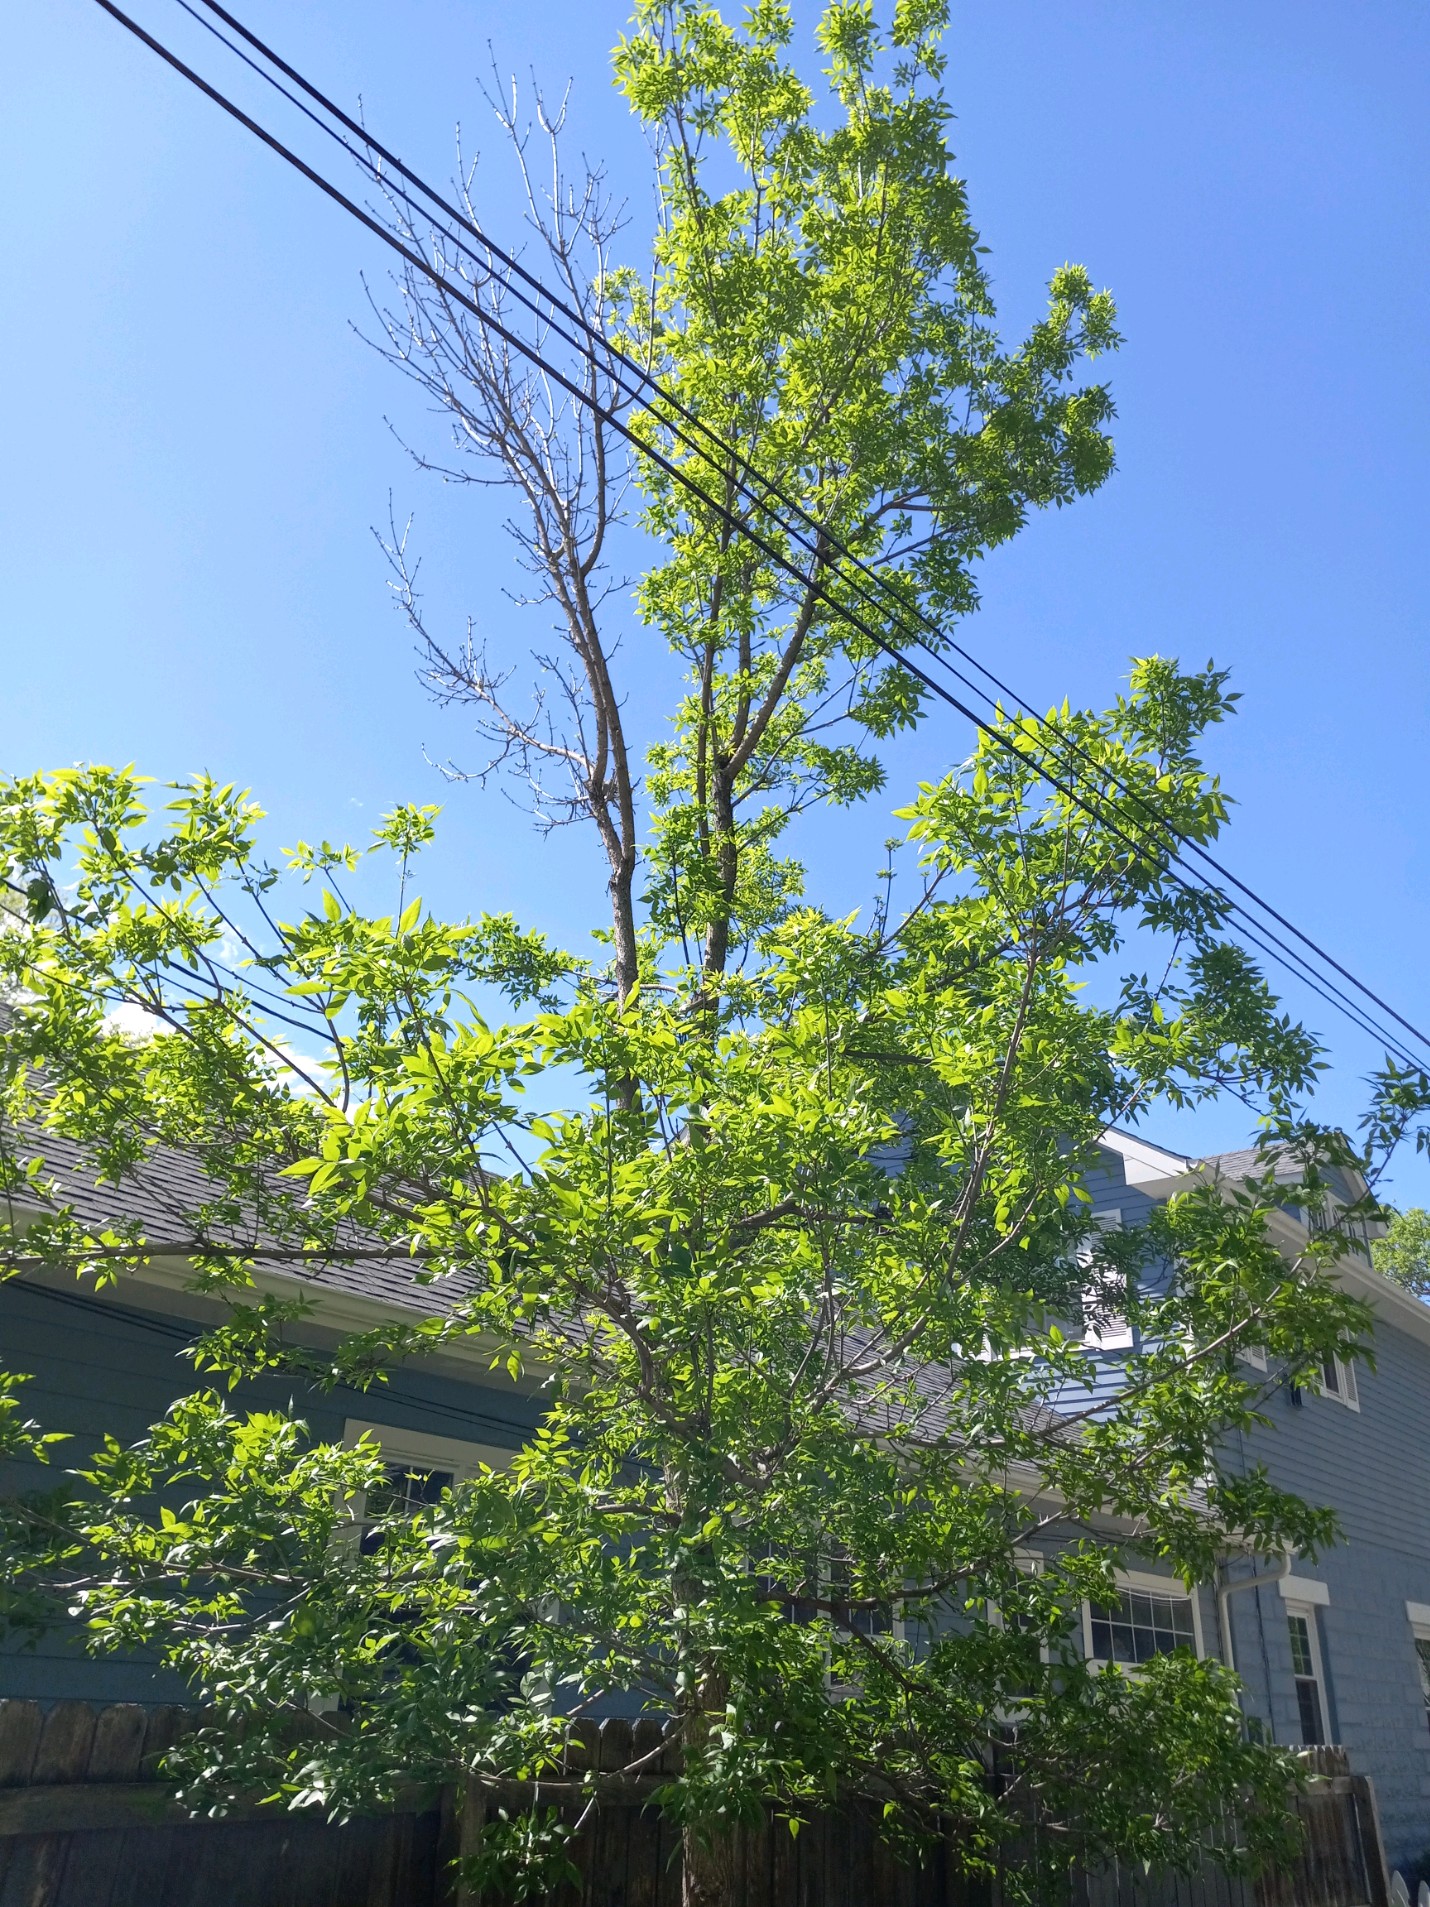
[(785, 1214), (1403, 1253)]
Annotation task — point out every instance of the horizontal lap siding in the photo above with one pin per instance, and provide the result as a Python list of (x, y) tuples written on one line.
[(1372, 1467), (99, 1368)]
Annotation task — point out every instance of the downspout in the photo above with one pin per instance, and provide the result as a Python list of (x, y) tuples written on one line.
[(1229, 1589)]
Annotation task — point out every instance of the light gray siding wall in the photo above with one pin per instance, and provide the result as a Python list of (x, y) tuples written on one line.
[(100, 1368)]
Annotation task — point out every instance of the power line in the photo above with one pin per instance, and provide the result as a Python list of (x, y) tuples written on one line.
[(1325, 988), (1265, 939), (647, 381)]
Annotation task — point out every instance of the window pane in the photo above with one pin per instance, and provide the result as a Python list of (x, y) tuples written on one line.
[(403, 1491), (1302, 1661), (1308, 1687), (1331, 1375), (1308, 1697), (1141, 1624)]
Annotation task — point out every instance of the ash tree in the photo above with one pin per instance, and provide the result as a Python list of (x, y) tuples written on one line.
[(784, 1213)]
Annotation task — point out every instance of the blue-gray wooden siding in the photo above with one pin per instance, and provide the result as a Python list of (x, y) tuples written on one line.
[(1372, 1467), (100, 1368)]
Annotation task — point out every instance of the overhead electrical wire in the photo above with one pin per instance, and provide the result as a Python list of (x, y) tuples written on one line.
[(548, 301), (1325, 988), (725, 459)]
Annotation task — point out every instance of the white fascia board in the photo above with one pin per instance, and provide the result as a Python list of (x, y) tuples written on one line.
[(1387, 1299), (1142, 1162), (162, 1287)]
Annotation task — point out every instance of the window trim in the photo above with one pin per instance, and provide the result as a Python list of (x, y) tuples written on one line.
[(1144, 1582), (1306, 1612), (1305, 1589)]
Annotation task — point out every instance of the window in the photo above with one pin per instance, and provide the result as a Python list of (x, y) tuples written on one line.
[(1419, 1614), (1422, 1662), (1153, 1615), (418, 1468), (1331, 1216), (405, 1491), (1338, 1380), (868, 1619), (1104, 1328), (825, 1589), (1307, 1674), (1028, 1564)]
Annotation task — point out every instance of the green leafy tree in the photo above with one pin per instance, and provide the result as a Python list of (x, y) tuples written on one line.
[(785, 1212), (1403, 1253), (817, 300), (796, 1300)]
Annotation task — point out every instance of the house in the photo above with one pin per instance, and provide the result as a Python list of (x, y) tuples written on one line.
[(111, 1362), (1335, 1650)]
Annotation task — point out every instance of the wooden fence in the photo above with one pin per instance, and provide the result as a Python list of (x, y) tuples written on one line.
[(85, 1821), (1342, 1859)]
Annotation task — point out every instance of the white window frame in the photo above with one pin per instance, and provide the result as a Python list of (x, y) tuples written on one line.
[(1116, 1334), (1305, 1610), (1418, 1616), (1147, 1584), (1347, 1392)]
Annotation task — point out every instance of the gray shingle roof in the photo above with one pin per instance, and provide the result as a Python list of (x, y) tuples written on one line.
[(168, 1186)]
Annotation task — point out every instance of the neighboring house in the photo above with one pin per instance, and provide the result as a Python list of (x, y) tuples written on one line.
[(112, 1362), (1338, 1650)]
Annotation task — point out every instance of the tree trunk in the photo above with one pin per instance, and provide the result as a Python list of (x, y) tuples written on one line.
[(709, 1854), (711, 1870)]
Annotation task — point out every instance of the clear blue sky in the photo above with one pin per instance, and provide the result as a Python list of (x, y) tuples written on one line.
[(196, 442)]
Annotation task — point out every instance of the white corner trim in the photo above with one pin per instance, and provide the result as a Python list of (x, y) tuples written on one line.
[(1304, 1589), (1418, 1614)]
